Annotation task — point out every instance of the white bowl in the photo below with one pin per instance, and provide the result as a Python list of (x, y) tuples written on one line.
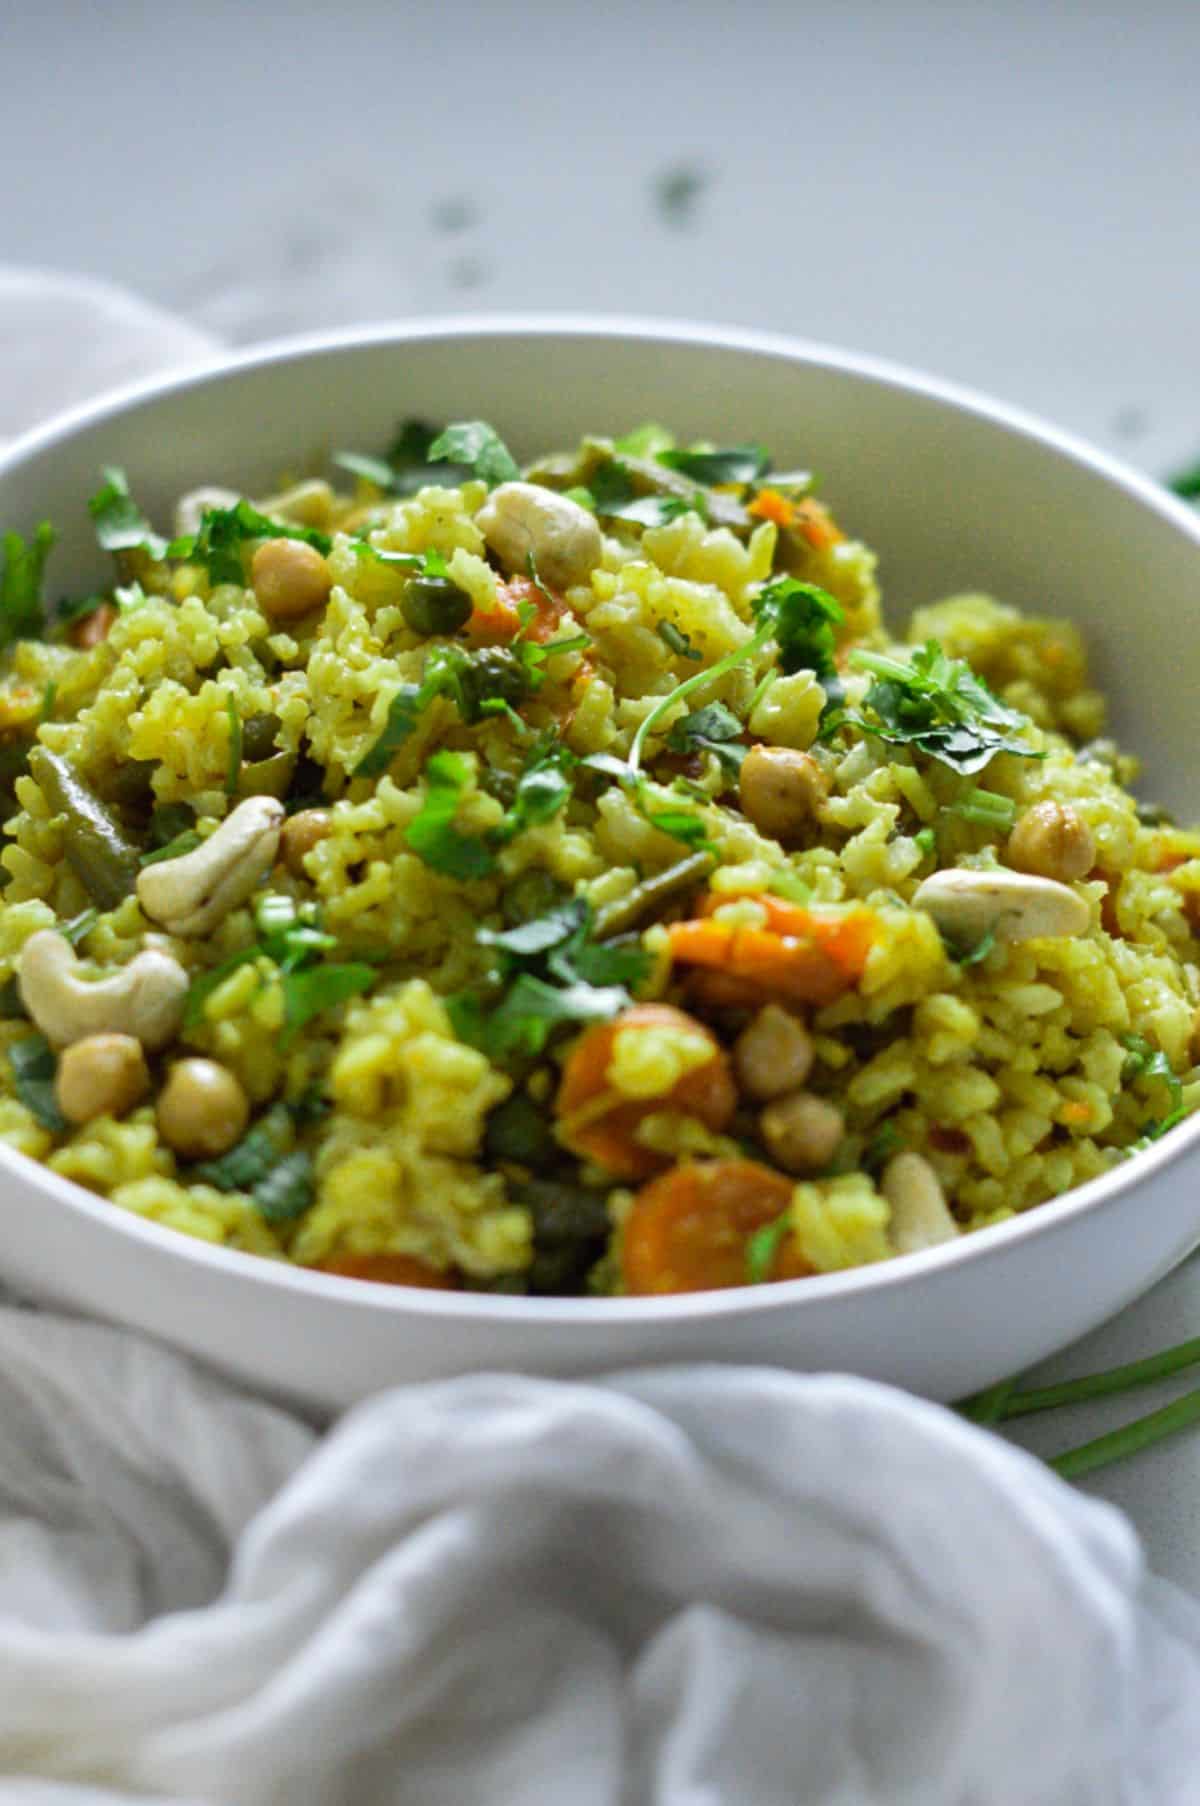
[(954, 492)]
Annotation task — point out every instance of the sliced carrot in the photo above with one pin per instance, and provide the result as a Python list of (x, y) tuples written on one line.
[(598, 1124), (687, 1230), (391, 1270), (501, 624), (803, 955), (818, 526), (770, 505)]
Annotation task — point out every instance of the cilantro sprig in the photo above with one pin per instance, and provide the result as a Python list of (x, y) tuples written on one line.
[(278, 1178), (940, 706), (1145, 1061), (291, 935), (735, 464), (223, 534), (478, 446), (543, 787), (120, 524), (549, 973), (715, 729)]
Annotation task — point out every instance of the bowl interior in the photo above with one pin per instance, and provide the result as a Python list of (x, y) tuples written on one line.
[(953, 493)]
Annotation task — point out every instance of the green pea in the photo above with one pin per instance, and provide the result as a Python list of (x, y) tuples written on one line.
[(435, 605)]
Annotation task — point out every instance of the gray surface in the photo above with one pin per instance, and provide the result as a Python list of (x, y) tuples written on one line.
[(1002, 193)]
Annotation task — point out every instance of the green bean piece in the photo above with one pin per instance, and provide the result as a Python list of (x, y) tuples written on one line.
[(435, 605), (645, 898), (97, 851), (267, 777), (518, 1130)]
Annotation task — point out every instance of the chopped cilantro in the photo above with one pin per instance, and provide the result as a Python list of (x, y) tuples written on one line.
[(1186, 483), (480, 447), (291, 935), (940, 706), (120, 524), (22, 569), (763, 1247), (315, 989), (375, 470), (34, 1066), (551, 973), (973, 956), (612, 494), (1145, 1061), (886, 1141), (926, 839), (225, 531), (80, 926), (738, 464), (715, 729), (432, 834), (280, 1183), (679, 642)]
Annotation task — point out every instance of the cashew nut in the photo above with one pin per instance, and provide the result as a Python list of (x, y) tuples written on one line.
[(920, 1215), (520, 518), (1015, 906), (144, 999), (191, 508), (191, 894)]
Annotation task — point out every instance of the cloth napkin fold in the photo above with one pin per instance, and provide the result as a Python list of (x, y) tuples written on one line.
[(691, 1587)]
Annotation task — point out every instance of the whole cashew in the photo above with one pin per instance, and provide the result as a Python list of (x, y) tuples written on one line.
[(920, 1215), (191, 894), (1014, 905), (144, 999), (520, 518)]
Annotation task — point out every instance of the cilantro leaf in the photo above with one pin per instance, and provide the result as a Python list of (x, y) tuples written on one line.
[(645, 441), (763, 1247), (1145, 1061), (281, 1184), (34, 1066), (613, 495), (715, 729), (737, 464), (940, 706), (479, 446), (120, 524), (309, 993), (552, 974), (803, 617), (22, 569), (432, 834), (225, 531)]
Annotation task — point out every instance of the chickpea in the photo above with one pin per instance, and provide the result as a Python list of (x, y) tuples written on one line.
[(299, 836), (1054, 842), (102, 1075), (289, 578), (93, 629), (202, 1109), (773, 1054), (781, 790), (801, 1132)]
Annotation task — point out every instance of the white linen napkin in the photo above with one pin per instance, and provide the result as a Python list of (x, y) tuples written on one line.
[(694, 1587)]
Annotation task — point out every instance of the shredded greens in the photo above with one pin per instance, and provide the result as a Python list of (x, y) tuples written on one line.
[(280, 1182), (120, 524), (223, 534), (938, 705), (1145, 1061), (34, 1066), (715, 729), (548, 972), (737, 464), (479, 447)]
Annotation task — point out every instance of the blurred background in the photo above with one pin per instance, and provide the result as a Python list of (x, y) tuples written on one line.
[(1005, 194)]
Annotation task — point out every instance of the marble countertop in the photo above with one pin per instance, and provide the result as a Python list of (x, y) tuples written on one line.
[(1002, 194)]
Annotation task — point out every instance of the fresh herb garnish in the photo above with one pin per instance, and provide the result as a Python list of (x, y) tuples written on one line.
[(551, 973), (679, 642), (224, 533), (973, 955), (926, 839), (611, 493), (645, 441), (291, 935), (715, 729), (22, 570), (940, 706), (985, 809), (478, 446), (763, 1247), (120, 524), (34, 1066), (1145, 1061), (737, 464), (80, 926), (184, 842), (279, 1182), (542, 788), (886, 1141)]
